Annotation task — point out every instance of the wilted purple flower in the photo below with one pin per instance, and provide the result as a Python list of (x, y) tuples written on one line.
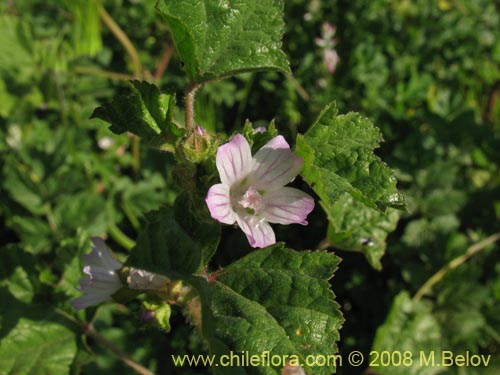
[(145, 280), (101, 280), (252, 191)]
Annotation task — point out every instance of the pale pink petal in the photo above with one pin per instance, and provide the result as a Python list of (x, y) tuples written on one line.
[(287, 206), (234, 160), (275, 165), (219, 203), (259, 233)]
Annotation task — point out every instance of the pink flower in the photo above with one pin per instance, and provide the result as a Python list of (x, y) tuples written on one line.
[(252, 191), (330, 60), (101, 280)]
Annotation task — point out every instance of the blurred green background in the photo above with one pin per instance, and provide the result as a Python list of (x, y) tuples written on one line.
[(427, 72)]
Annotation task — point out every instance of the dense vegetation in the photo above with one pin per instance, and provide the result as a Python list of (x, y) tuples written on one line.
[(425, 72)]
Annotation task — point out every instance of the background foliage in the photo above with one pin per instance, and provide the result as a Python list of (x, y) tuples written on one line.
[(427, 73)]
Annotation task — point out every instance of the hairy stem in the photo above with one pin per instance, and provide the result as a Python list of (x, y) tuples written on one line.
[(189, 105), (454, 263)]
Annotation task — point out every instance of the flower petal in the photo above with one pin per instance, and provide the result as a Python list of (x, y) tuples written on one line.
[(275, 165), (101, 256), (234, 160), (287, 206), (219, 204), (259, 233)]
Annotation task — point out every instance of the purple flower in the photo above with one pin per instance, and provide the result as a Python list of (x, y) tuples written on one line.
[(101, 280), (252, 191)]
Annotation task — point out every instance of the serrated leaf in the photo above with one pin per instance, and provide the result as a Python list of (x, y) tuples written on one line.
[(174, 242), (340, 166), (35, 340), (338, 158), (410, 326), (144, 111), (275, 300), (355, 226), (216, 39)]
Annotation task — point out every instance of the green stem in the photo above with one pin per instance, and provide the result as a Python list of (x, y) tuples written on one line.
[(136, 64), (120, 237), (123, 39), (298, 87), (439, 275), (130, 216), (103, 73), (136, 153)]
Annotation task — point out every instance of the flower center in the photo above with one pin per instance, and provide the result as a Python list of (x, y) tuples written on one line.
[(251, 200)]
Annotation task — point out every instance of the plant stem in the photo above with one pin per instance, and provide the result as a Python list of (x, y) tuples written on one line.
[(130, 216), (298, 87), (120, 237), (123, 39), (136, 64), (454, 263), (189, 104), (91, 332), (103, 73), (163, 63)]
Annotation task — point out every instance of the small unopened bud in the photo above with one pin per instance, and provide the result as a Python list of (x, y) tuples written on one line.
[(196, 146)]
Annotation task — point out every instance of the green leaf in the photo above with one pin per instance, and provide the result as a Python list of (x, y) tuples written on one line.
[(340, 166), (216, 39), (15, 40), (142, 110), (338, 158), (175, 243), (355, 226), (410, 326), (86, 33), (258, 137), (35, 340), (274, 299), (15, 271)]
